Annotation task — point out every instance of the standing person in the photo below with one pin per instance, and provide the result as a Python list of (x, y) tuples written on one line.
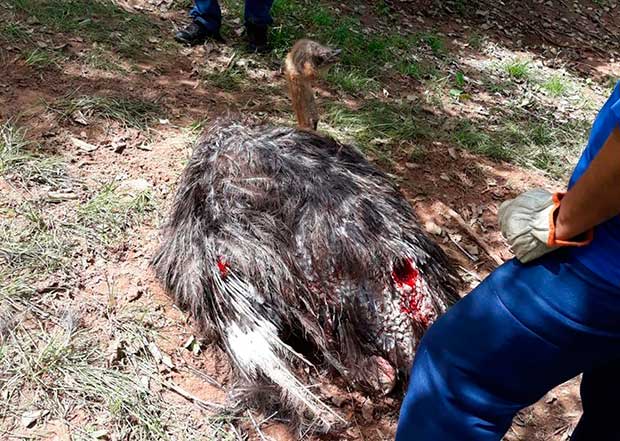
[(207, 20), (538, 320)]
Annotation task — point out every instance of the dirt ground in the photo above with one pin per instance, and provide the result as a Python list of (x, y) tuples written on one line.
[(108, 281)]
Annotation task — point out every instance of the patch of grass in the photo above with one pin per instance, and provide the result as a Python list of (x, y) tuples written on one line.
[(518, 69), (13, 32), (556, 86), (383, 8), (378, 128), (59, 368), (475, 41), (19, 164), (541, 144), (462, 7), (435, 42), (100, 21), (40, 59), (100, 58), (351, 80), (321, 17), (290, 17), (112, 211), (497, 85), (416, 69), (37, 241), (230, 79), (130, 112), (32, 244)]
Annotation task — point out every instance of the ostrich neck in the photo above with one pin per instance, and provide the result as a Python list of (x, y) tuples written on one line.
[(302, 97)]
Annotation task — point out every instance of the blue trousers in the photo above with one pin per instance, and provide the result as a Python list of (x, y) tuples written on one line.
[(521, 332), (209, 14)]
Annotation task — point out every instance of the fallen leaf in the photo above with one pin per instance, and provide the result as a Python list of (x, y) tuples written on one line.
[(29, 418), (83, 145), (433, 228), (79, 118), (59, 196), (98, 434), (155, 352)]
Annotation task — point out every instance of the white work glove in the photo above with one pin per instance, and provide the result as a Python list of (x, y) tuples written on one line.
[(528, 224)]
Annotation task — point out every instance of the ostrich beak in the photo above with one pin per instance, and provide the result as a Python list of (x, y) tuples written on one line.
[(335, 55)]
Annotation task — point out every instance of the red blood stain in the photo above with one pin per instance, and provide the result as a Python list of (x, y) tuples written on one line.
[(405, 274), (223, 267)]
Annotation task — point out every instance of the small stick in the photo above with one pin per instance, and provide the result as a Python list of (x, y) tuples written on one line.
[(239, 437), (230, 60), (193, 398), (262, 437), (463, 250), (209, 379), (459, 219), (264, 420)]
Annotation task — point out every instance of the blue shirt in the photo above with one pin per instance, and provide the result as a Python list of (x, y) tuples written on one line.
[(602, 256)]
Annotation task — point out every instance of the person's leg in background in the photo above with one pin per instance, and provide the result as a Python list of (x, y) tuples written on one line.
[(600, 389), (257, 22), (524, 330), (206, 22)]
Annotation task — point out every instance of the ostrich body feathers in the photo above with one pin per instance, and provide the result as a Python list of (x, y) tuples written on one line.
[(302, 258)]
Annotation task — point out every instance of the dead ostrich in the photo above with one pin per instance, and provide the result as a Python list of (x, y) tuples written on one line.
[(301, 257)]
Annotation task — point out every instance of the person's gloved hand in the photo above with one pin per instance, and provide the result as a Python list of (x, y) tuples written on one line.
[(528, 224)]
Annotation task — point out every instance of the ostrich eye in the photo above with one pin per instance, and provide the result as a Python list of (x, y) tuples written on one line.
[(319, 59)]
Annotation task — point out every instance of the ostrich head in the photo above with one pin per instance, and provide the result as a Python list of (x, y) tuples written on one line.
[(304, 63)]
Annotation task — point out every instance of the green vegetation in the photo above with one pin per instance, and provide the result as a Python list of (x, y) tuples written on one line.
[(32, 243), (518, 69), (475, 41), (541, 143), (434, 42), (351, 81), (555, 86), (98, 21), (379, 128), (112, 211), (130, 112), (19, 164), (13, 32), (230, 79), (416, 70), (100, 58), (40, 59), (35, 241)]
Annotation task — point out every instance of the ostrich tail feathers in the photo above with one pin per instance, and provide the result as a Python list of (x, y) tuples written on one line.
[(259, 353)]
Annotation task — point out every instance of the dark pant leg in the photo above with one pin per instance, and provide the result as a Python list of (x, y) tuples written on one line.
[(600, 394), (524, 330), (258, 12), (208, 14)]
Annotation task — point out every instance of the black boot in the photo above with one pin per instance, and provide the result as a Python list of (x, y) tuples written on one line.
[(257, 37), (195, 33)]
